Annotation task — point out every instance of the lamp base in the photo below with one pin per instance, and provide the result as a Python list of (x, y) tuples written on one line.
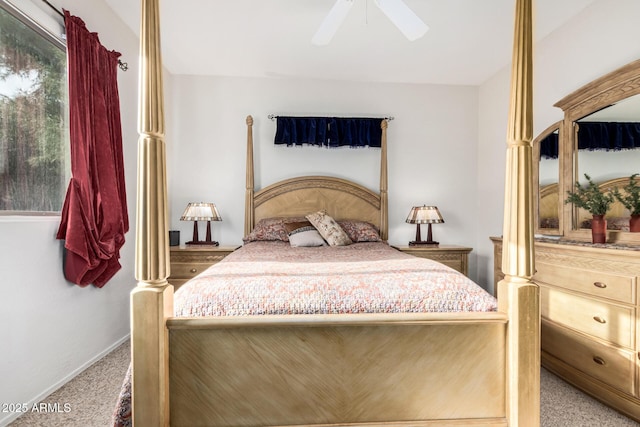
[(424, 243), (195, 241), (201, 243), (420, 242)]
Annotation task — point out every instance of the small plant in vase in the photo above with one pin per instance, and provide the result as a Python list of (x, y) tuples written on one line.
[(596, 202), (630, 199)]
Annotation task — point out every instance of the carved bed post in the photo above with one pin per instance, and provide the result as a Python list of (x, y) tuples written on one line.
[(152, 300), (384, 197), (248, 198), (517, 294)]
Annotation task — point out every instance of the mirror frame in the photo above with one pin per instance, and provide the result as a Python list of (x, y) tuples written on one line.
[(600, 93), (536, 180)]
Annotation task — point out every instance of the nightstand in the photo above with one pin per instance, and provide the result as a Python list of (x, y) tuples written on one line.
[(189, 261), (456, 257)]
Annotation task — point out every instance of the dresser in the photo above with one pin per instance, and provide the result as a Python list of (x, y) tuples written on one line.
[(189, 261), (589, 307), (456, 257)]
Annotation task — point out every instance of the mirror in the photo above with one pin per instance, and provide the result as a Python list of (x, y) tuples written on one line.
[(608, 150), (546, 179), (601, 138)]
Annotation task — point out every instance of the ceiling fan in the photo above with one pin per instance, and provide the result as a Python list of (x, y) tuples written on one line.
[(396, 10)]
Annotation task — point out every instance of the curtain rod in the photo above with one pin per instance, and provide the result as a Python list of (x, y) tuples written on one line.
[(273, 116), (123, 65)]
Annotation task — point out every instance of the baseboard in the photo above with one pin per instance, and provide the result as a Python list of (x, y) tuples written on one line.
[(39, 398)]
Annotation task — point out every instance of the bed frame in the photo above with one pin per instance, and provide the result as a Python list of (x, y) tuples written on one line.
[(445, 369)]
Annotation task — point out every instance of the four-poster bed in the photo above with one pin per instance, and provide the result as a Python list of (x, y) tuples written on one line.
[(464, 368)]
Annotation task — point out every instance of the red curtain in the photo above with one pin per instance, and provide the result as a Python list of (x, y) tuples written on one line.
[(94, 215)]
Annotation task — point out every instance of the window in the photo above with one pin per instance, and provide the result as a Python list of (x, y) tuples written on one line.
[(34, 159)]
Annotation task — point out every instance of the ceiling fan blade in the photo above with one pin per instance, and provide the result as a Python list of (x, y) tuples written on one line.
[(332, 22), (404, 18)]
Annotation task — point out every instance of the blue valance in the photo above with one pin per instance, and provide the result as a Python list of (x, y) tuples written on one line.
[(549, 147), (608, 136), (329, 131)]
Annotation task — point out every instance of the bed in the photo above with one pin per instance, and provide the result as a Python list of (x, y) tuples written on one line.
[(331, 368), (548, 207)]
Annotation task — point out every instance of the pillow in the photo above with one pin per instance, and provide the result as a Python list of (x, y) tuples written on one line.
[(329, 229), (303, 234), (293, 226), (360, 231), (269, 229), (613, 223), (549, 223)]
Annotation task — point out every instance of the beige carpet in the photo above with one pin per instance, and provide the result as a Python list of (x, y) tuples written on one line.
[(92, 395)]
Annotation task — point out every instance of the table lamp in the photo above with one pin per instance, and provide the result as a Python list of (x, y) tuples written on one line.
[(201, 212), (424, 215)]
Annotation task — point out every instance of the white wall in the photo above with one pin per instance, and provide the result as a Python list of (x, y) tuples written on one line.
[(432, 158), (599, 40), (53, 329)]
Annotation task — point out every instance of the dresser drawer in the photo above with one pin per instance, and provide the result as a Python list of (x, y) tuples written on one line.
[(597, 283), (187, 271), (188, 262), (456, 257), (198, 256), (608, 364), (610, 322)]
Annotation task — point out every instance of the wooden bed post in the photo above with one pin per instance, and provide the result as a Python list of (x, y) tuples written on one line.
[(152, 300), (248, 198), (518, 296), (384, 197)]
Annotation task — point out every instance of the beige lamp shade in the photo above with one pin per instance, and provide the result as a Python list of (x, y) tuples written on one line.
[(424, 215), (201, 212)]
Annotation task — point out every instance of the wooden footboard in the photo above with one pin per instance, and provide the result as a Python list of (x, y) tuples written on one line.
[(338, 369)]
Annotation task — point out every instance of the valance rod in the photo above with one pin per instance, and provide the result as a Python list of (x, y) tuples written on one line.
[(273, 116), (123, 65)]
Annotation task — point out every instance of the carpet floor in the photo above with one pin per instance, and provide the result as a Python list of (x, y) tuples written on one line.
[(91, 398)]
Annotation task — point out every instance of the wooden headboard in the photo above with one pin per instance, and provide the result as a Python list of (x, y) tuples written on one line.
[(340, 198), (548, 206)]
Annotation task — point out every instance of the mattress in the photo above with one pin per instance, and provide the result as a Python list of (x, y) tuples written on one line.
[(272, 277)]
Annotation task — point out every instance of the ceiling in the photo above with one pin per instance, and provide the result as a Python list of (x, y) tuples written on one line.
[(467, 42)]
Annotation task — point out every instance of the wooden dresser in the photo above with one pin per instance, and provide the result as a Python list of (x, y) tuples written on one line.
[(456, 257), (590, 320), (189, 261)]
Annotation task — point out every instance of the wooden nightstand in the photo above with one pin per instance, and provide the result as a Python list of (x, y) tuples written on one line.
[(456, 257), (189, 261)]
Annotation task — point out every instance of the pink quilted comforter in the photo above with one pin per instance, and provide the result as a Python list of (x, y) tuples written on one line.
[(372, 277)]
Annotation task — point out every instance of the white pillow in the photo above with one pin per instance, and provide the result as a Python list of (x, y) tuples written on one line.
[(306, 238)]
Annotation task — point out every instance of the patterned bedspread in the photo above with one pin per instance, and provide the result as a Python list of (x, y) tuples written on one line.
[(275, 278), (372, 277)]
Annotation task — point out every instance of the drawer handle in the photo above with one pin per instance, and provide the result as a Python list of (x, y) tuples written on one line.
[(599, 319), (193, 270), (599, 360), (600, 285)]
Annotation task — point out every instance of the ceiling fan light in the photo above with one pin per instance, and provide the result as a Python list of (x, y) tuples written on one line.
[(332, 22), (404, 18)]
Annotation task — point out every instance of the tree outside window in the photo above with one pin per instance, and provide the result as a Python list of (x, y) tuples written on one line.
[(34, 160)]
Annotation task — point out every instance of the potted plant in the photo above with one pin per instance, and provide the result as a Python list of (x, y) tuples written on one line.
[(596, 202), (630, 199)]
